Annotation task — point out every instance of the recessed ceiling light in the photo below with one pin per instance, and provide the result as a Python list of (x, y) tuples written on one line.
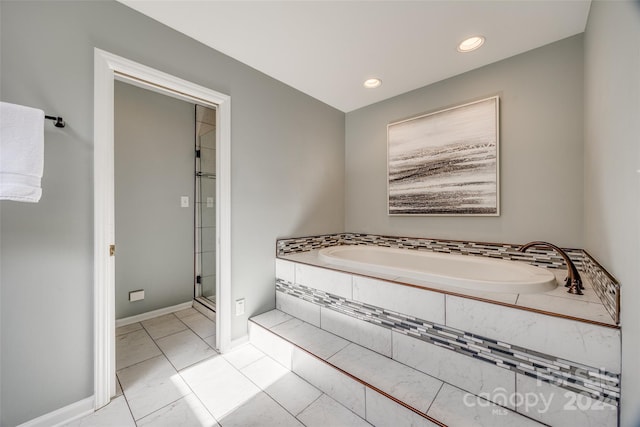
[(372, 83), (472, 43)]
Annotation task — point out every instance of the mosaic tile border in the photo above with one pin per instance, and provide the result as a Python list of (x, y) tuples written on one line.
[(597, 383), (607, 288), (542, 257)]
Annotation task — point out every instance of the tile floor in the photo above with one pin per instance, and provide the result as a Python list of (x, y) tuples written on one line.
[(168, 374)]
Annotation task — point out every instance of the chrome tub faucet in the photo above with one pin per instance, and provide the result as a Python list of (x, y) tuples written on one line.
[(573, 281)]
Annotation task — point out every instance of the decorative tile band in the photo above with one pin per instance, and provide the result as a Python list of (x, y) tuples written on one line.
[(542, 257), (597, 383), (605, 287)]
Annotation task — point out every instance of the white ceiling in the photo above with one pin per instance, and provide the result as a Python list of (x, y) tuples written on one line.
[(326, 49)]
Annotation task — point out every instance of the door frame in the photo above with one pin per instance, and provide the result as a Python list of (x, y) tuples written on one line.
[(108, 68)]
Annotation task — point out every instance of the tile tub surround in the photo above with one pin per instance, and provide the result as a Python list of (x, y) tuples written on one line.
[(604, 285), (298, 267), (355, 320)]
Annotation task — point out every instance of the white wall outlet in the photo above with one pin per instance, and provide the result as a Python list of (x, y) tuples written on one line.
[(184, 201), (239, 307), (209, 202), (136, 295)]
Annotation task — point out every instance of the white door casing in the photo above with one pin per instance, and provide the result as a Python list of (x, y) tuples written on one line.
[(107, 69)]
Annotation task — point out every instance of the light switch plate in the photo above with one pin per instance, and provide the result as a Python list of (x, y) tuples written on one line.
[(184, 201)]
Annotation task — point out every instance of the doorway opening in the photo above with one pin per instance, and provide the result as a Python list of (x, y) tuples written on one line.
[(107, 69)]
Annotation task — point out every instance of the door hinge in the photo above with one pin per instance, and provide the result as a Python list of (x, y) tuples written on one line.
[(112, 250), (198, 154), (198, 279)]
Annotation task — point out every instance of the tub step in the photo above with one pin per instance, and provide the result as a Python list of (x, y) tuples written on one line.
[(377, 388)]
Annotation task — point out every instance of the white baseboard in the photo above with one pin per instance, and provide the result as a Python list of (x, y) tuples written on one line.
[(151, 314), (63, 415)]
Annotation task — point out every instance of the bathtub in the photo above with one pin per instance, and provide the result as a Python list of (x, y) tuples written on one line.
[(461, 271)]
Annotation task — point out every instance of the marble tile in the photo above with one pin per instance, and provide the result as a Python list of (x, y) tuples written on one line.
[(333, 282), (128, 328), (211, 342), (292, 392), (270, 344), (285, 270), (366, 334), (162, 326), (400, 381), (264, 372), (151, 385), (415, 302), (271, 318), (185, 412), (244, 355), (465, 372), (200, 325), (382, 411), (588, 293), (259, 411), (321, 343), (327, 412), (337, 385), (296, 307), (186, 312), (185, 348), (220, 387), (581, 342), (508, 298), (557, 406), (134, 347), (456, 408), (364, 272), (116, 413), (576, 308)]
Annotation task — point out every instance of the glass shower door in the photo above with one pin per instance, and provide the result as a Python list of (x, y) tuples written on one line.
[(205, 251)]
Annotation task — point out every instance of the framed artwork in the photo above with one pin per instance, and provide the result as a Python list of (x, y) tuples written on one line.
[(446, 162)]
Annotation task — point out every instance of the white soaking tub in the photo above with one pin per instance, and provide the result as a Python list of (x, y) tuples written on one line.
[(461, 271)]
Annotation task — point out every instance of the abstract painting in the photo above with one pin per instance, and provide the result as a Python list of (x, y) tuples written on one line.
[(445, 163)]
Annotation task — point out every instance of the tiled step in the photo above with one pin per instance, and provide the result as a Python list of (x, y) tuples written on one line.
[(379, 389)]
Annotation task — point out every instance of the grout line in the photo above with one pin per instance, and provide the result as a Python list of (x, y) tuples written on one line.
[(128, 407), (163, 354), (263, 390), (193, 392), (292, 372), (159, 409), (314, 400), (354, 377), (435, 396)]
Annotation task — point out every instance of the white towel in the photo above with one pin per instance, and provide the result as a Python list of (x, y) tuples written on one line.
[(21, 152)]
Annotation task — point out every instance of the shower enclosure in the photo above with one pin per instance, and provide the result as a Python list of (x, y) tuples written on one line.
[(205, 208)]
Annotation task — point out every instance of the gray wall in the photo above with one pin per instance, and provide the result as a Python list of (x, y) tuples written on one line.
[(287, 179), (612, 159), (540, 151), (154, 167)]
